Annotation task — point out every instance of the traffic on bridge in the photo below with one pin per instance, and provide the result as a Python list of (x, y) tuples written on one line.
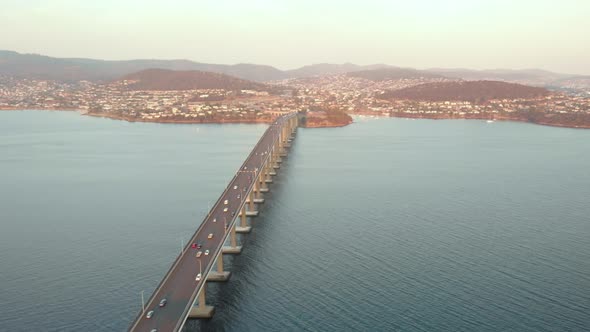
[(174, 298)]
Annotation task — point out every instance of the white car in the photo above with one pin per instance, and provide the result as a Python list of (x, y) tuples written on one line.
[(198, 277), (149, 314), (209, 237), (199, 254), (214, 219), (206, 252), (235, 187), (225, 202), (225, 210)]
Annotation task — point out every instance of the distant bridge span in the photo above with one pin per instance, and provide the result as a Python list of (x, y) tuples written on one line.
[(184, 294)]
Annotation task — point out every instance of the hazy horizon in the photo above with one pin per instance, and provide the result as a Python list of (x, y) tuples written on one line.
[(287, 69), (423, 34)]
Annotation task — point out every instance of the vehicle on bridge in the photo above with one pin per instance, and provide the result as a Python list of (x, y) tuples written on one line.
[(163, 302), (150, 314)]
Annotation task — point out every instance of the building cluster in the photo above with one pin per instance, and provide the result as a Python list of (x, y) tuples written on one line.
[(338, 92), (116, 100), (557, 104), (360, 96), (347, 93), (37, 94)]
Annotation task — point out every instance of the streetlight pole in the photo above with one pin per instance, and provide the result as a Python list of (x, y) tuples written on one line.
[(142, 302)]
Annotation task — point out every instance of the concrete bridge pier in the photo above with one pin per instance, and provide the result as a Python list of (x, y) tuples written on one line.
[(276, 160), (244, 227), (286, 138), (282, 153), (250, 210), (257, 194), (264, 176), (220, 274), (258, 185), (268, 173), (269, 166), (233, 248), (200, 309)]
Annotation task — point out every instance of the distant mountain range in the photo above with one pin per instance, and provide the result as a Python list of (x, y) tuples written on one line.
[(527, 76), (164, 79), (330, 69), (76, 69), (474, 91), (393, 73)]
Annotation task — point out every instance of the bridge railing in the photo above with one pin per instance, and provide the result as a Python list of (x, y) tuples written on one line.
[(179, 256)]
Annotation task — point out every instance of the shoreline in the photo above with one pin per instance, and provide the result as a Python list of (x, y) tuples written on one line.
[(506, 119), (329, 125), (267, 121), (128, 119)]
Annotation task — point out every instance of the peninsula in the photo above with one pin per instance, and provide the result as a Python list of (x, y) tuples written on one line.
[(328, 94)]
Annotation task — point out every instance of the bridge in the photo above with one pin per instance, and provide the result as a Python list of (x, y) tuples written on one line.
[(201, 260)]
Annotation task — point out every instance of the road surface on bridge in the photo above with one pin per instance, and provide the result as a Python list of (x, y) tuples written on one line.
[(180, 287)]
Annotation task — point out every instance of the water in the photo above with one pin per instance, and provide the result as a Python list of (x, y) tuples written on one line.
[(384, 225)]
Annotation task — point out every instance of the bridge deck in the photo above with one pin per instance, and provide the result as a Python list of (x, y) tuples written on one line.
[(179, 286)]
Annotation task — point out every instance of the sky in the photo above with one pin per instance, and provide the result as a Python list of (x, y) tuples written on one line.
[(477, 34)]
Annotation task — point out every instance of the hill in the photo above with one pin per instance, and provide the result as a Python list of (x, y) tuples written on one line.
[(474, 91), (393, 73), (36, 66), (524, 76), (163, 79), (329, 69)]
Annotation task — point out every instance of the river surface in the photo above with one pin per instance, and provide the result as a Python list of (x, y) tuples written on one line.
[(384, 225)]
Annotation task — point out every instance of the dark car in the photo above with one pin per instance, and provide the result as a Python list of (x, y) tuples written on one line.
[(163, 302)]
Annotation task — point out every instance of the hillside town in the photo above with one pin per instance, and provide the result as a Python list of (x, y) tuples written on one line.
[(360, 96), (316, 95), (115, 101)]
